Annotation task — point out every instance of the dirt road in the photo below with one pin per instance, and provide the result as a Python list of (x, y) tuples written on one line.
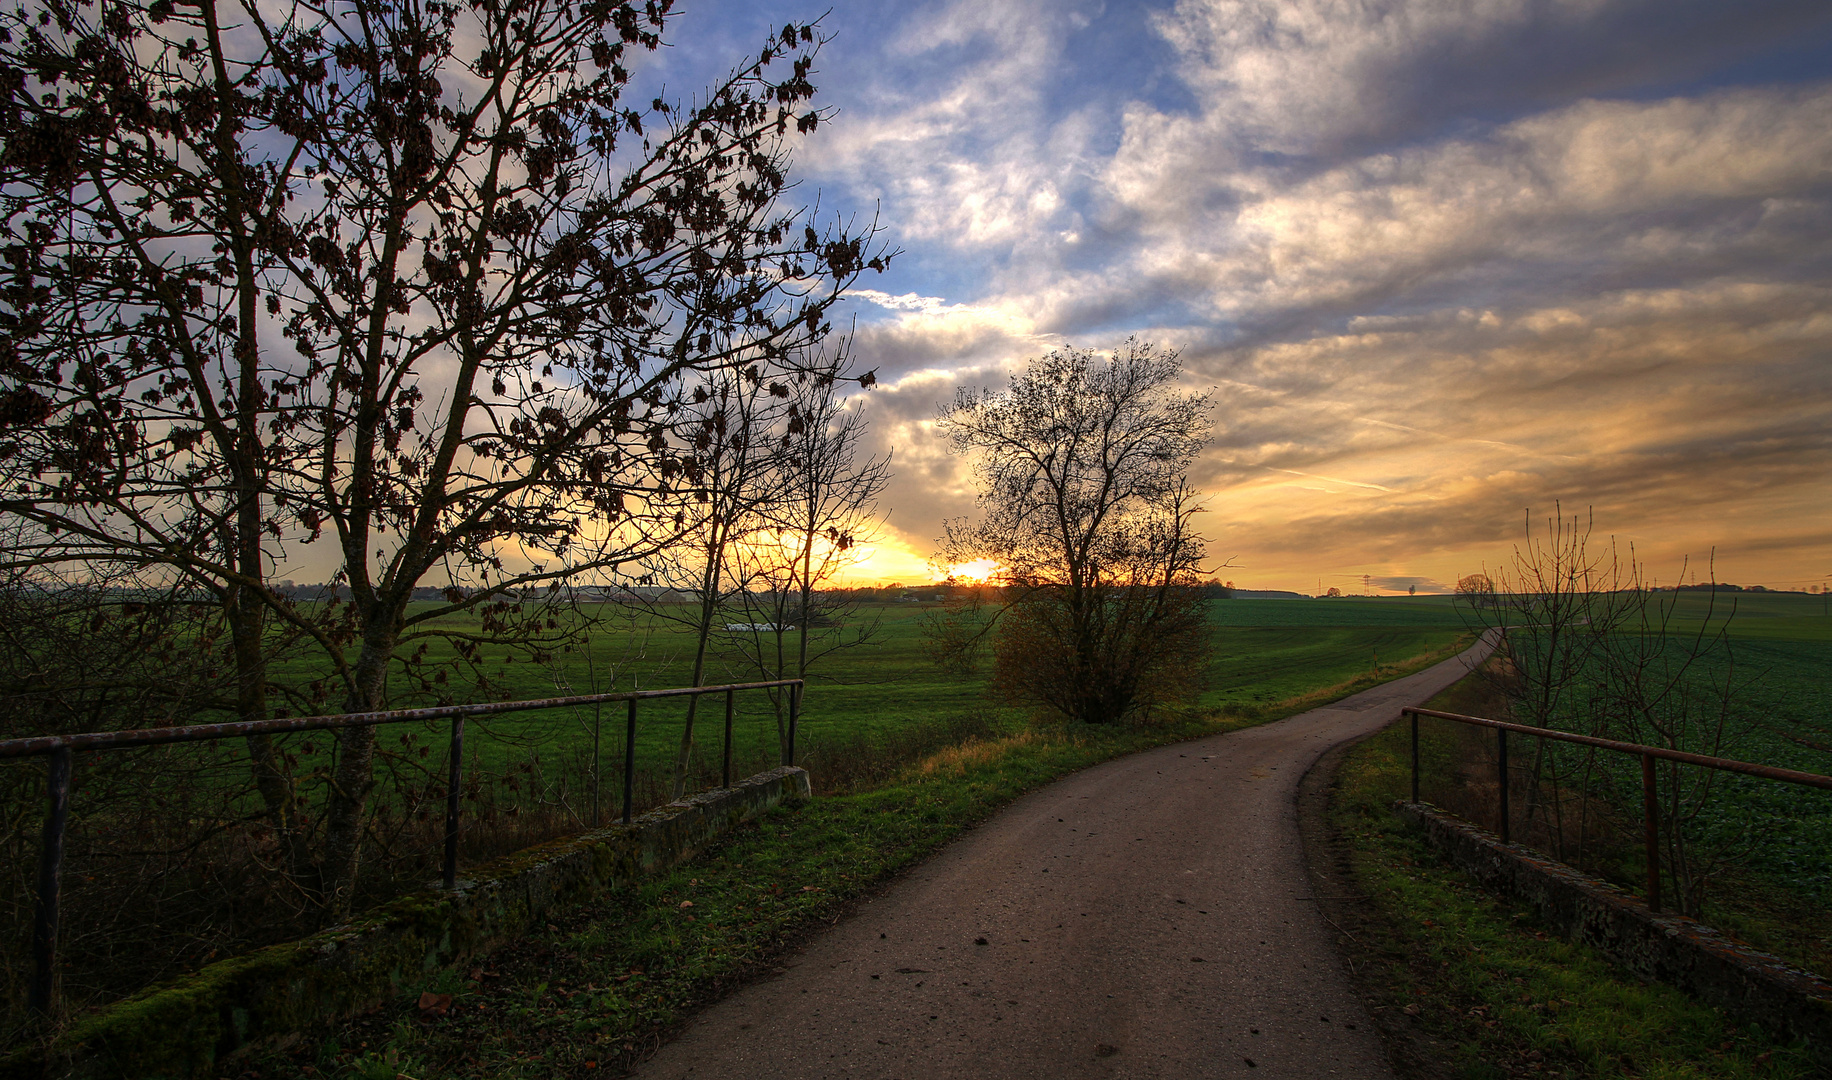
[(1149, 917)]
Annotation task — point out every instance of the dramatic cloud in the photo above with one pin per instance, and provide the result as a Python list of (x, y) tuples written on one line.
[(1438, 262)]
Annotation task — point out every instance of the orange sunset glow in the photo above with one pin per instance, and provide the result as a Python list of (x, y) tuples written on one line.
[(1441, 267)]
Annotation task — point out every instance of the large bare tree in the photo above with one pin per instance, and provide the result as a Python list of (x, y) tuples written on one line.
[(1086, 511), (416, 280)]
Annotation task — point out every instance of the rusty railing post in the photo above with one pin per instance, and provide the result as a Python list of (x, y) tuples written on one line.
[(454, 786), (1415, 758), (50, 878), (725, 773), (1502, 751), (629, 765), (794, 711), (1650, 811)]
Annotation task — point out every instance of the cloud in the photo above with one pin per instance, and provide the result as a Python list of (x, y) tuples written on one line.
[(1317, 78), (926, 305), (977, 158), (932, 484), (1688, 418), (1703, 186), (923, 333), (1438, 262), (1420, 584)]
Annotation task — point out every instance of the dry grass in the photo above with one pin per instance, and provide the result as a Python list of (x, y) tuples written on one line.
[(979, 752)]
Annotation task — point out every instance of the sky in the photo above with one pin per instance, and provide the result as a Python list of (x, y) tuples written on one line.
[(1444, 265)]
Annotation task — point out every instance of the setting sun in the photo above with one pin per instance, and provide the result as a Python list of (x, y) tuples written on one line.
[(974, 572)]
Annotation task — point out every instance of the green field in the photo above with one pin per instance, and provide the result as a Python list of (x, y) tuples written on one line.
[(1776, 659), (873, 715), (1466, 983), (1756, 616), (1775, 839), (1779, 663), (1489, 990), (863, 701), (1785, 719), (1265, 652), (1497, 998)]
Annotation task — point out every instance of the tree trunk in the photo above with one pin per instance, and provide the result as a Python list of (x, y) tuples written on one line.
[(271, 777), (353, 773), (709, 609)]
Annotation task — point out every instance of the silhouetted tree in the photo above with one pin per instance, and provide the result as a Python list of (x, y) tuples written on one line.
[(821, 517), (1082, 464), (1476, 590), (415, 279)]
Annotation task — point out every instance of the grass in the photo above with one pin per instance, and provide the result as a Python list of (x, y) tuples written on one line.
[(1775, 657), (1265, 651), (1468, 985), (528, 780), (1463, 984), (604, 983)]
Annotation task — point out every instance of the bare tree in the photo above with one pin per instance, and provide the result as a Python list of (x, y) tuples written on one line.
[(1087, 512), (729, 422), (1593, 647), (1673, 683), (824, 513), (416, 276), (1476, 590)]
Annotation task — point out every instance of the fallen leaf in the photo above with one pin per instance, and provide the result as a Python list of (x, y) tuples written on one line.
[(435, 1004)]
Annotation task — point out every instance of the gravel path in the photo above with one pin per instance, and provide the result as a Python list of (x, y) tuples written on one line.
[(1148, 917)]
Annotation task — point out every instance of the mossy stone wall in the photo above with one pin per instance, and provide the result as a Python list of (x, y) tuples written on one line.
[(1786, 1002), (185, 1027)]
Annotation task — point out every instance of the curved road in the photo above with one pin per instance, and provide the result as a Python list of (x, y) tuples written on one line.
[(1148, 917)]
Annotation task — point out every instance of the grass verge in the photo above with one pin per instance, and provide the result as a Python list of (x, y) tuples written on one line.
[(604, 983), (1465, 984)]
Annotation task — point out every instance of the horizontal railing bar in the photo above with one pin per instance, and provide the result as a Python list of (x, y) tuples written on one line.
[(1767, 772), (112, 740)]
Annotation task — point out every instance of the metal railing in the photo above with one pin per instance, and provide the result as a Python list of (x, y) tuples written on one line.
[(1650, 806), (60, 750)]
